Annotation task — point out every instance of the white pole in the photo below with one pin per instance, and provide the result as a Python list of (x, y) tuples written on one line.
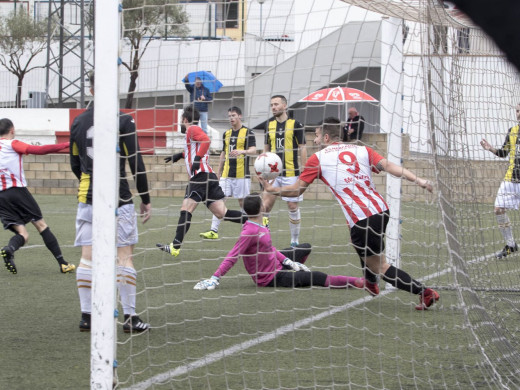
[(392, 123), (261, 6), (105, 194)]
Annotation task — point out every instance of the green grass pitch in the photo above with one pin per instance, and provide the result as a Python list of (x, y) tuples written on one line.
[(240, 336)]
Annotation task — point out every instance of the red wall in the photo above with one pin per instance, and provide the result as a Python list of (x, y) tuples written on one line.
[(152, 126)]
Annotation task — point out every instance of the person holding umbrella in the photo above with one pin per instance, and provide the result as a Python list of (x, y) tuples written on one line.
[(199, 96), (353, 131)]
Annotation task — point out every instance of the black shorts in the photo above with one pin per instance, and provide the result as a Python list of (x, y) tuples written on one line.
[(298, 253), (368, 235), (18, 207), (204, 187), (298, 279)]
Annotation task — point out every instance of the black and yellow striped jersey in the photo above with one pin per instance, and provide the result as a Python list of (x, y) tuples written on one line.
[(241, 139), (511, 147), (284, 138), (82, 163)]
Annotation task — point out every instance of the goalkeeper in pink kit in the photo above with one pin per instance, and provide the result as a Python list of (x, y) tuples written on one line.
[(267, 266)]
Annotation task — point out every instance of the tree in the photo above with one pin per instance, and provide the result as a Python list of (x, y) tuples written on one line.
[(21, 40), (151, 19)]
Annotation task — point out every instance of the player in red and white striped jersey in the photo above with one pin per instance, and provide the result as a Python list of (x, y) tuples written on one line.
[(17, 206), (203, 186), (347, 170)]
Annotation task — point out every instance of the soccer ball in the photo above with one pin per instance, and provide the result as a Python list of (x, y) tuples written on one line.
[(268, 166)]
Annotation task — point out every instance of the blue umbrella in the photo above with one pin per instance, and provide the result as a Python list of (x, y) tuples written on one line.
[(208, 79)]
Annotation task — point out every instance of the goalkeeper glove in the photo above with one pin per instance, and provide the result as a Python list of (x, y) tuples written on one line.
[(295, 266), (176, 157), (196, 164), (207, 284)]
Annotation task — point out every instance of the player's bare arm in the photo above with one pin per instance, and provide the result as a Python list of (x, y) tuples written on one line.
[(303, 154), (146, 211), (399, 171), (487, 146), (238, 152), (293, 190), (222, 161)]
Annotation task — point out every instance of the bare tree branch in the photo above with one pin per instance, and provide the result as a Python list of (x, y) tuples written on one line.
[(21, 40), (141, 21)]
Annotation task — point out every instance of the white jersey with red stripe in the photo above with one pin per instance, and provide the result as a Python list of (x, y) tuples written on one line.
[(347, 170), (197, 143), (11, 166)]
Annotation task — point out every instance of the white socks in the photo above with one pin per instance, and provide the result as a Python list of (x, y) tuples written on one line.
[(504, 224), (215, 223), (126, 282), (294, 224), (84, 283)]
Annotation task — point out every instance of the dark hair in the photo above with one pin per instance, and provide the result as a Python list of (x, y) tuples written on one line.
[(235, 109), (90, 76), (198, 78), (252, 204), (284, 99), (331, 126), (191, 114), (5, 126)]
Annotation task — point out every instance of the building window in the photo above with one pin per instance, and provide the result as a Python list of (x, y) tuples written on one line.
[(227, 14), (463, 38), (440, 39)]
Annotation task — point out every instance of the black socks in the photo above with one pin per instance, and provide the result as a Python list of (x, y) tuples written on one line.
[(182, 228), (52, 245), (235, 216), (16, 242), (401, 280)]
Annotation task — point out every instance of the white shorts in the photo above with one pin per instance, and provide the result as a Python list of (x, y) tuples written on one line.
[(282, 181), (508, 196), (126, 225), (235, 188)]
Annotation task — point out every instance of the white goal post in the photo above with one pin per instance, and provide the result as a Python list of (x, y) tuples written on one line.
[(105, 193), (440, 86)]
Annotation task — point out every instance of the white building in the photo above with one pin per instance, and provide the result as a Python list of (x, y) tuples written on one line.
[(259, 48)]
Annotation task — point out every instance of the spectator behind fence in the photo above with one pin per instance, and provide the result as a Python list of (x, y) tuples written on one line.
[(199, 96), (353, 130)]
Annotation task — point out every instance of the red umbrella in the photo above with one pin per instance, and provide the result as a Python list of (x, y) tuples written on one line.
[(338, 95)]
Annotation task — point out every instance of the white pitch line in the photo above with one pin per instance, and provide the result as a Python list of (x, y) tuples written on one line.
[(219, 355), (216, 356)]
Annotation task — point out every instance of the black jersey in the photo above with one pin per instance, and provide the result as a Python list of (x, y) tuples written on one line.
[(81, 157), (284, 139), (511, 147)]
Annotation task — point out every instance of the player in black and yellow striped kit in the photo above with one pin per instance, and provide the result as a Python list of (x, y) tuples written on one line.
[(286, 137), (233, 171), (508, 196)]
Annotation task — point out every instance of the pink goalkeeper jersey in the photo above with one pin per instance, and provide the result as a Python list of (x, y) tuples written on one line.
[(261, 259), (347, 170)]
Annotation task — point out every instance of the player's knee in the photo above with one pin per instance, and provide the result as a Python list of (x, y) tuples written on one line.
[(40, 225), (293, 207), (25, 236), (220, 214)]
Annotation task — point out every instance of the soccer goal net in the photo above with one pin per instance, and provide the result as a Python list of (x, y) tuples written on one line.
[(429, 86)]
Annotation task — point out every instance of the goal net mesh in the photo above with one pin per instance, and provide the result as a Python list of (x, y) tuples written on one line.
[(451, 88)]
